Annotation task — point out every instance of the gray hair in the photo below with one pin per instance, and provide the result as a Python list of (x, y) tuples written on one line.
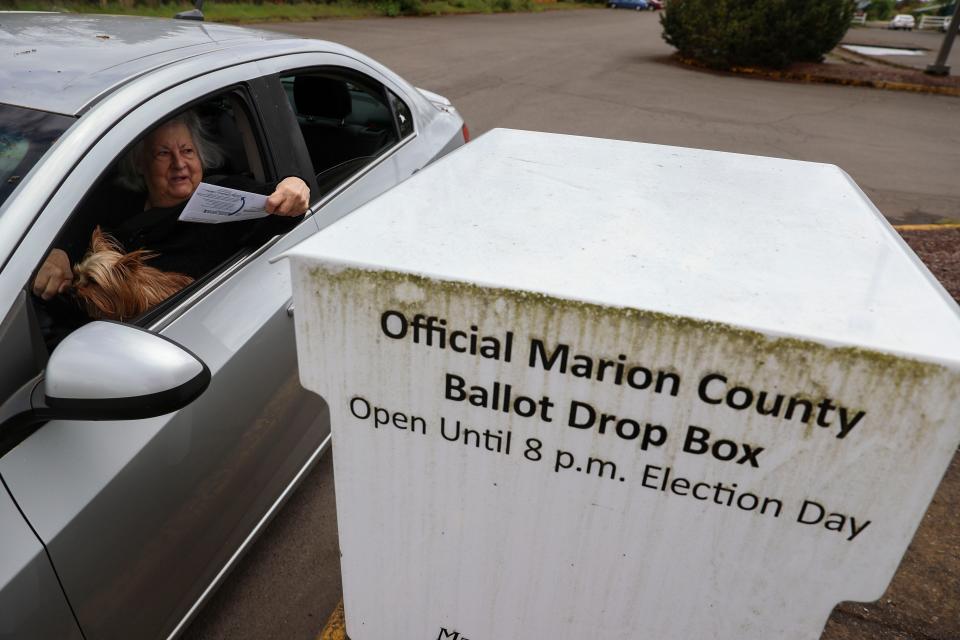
[(210, 154)]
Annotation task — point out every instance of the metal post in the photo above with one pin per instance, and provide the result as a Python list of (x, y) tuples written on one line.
[(940, 67)]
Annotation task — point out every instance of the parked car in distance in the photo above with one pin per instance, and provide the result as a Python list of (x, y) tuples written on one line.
[(639, 5), (903, 21), (140, 459), (655, 5)]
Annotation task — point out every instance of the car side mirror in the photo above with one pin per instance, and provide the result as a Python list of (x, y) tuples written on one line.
[(105, 371), (111, 371)]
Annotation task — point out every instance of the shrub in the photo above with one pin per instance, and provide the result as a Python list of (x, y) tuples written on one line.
[(881, 9), (512, 5), (764, 33), (410, 7), (394, 8), (390, 9)]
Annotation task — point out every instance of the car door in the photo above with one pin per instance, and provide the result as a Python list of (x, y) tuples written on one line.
[(141, 518), (32, 604)]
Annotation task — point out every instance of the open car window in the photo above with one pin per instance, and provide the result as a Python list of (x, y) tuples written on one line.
[(116, 230)]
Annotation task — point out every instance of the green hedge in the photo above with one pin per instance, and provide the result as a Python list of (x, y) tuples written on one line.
[(881, 9), (755, 33)]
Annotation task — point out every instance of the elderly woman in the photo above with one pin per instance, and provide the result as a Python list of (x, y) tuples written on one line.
[(161, 172)]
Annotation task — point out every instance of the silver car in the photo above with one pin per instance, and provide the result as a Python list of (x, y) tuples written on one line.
[(140, 459)]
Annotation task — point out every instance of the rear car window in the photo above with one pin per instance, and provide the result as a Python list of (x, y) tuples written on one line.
[(345, 121), (25, 135)]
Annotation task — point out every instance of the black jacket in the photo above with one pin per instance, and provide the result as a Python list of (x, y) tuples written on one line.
[(191, 248)]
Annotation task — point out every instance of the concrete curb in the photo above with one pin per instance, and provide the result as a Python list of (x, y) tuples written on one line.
[(811, 78)]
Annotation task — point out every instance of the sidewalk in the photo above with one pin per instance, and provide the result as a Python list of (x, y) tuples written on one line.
[(877, 35)]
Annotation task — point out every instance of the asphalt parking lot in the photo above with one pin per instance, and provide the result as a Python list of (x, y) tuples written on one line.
[(605, 73)]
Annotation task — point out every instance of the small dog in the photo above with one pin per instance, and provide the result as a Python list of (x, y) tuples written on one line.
[(115, 285)]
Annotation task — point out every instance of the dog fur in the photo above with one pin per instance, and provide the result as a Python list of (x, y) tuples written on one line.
[(115, 285)]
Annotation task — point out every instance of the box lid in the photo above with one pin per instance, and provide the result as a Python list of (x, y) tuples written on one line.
[(785, 247)]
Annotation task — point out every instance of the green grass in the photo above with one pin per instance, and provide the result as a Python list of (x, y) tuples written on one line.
[(292, 11)]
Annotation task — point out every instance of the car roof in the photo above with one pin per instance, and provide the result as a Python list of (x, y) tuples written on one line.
[(63, 63)]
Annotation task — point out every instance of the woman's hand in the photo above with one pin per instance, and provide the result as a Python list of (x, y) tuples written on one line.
[(291, 198), (55, 275)]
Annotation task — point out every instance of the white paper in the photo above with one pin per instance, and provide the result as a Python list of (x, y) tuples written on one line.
[(211, 204)]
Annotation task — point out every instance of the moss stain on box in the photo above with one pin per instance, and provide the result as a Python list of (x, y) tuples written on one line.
[(899, 371)]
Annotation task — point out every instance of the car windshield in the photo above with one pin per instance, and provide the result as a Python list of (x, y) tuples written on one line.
[(25, 135)]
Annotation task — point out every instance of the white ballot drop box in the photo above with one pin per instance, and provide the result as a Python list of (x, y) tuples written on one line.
[(587, 388)]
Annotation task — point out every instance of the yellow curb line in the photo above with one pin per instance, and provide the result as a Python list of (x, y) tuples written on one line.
[(336, 628), (926, 227)]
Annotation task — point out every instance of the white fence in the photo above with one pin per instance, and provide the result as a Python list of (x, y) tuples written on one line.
[(934, 22), (860, 19)]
